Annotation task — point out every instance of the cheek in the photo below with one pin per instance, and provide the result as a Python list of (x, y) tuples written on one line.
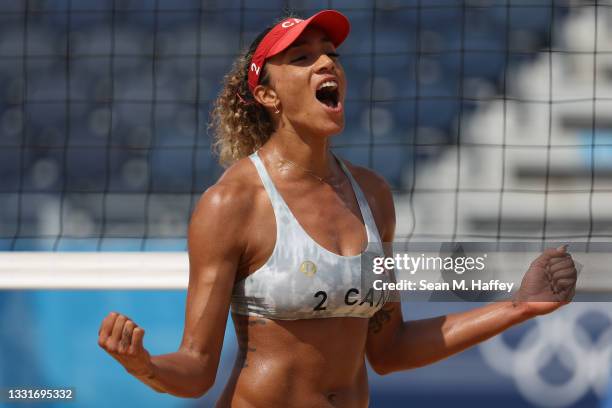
[(296, 89), (343, 81)]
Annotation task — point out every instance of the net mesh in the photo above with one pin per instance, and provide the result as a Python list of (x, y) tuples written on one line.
[(489, 119)]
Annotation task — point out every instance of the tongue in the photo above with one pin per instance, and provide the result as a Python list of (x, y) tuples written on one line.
[(326, 97)]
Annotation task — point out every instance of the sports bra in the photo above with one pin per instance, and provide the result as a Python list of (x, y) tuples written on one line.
[(303, 280)]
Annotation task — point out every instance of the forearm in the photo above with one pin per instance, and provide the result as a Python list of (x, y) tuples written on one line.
[(422, 342), (181, 374)]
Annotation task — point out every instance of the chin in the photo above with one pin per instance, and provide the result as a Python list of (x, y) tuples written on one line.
[(331, 129), (323, 125)]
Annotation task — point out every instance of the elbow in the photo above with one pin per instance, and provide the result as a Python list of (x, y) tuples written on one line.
[(195, 389), (389, 362), (200, 377), (205, 386), (195, 392), (382, 369), (201, 388), (381, 365)]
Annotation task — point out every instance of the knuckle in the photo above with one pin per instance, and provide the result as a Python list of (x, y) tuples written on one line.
[(561, 267)]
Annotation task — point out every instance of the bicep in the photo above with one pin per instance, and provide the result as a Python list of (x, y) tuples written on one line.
[(383, 329), (214, 254), (383, 326), (381, 203)]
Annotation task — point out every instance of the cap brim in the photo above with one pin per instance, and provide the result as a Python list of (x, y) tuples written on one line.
[(333, 23)]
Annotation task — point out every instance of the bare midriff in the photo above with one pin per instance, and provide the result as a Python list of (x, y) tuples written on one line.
[(298, 363)]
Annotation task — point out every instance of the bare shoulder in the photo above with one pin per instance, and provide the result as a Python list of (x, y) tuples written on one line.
[(372, 183), (379, 196), (228, 205), (368, 179)]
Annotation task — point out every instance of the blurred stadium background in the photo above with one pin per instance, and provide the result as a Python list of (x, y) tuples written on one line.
[(490, 119)]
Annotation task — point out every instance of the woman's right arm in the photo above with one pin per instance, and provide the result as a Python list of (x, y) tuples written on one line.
[(217, 239)]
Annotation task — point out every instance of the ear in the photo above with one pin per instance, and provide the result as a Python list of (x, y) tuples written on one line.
[(266, 96)]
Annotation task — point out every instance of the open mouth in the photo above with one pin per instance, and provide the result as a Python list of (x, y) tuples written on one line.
[(327, 94)]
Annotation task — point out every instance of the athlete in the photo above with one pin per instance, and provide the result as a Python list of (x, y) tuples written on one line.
[(278, 240)]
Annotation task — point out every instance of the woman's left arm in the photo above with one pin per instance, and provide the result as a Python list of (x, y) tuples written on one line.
[(394, 344)]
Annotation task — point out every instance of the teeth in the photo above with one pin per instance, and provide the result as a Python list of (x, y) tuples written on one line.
[(328, 84)]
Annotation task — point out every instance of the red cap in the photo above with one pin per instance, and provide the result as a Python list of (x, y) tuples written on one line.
[(334, 23)]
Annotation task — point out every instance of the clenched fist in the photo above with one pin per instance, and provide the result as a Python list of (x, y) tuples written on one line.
[(549, 283), (122, 339)]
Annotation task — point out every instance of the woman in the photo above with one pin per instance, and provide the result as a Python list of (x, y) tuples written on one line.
[(278, 239)]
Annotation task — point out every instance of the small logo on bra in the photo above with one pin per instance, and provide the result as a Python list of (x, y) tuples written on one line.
[(308, 268)]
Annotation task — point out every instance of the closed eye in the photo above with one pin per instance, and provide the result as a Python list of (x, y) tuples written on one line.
[(300, 58), (333, 55)]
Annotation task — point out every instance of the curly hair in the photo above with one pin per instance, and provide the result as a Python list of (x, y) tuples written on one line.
[(240, 124)]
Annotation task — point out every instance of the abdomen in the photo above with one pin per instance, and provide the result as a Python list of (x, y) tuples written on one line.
[(302, 363)]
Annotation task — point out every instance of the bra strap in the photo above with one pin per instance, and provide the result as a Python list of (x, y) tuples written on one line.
[(275, 198), (366, 212), (281, 208)]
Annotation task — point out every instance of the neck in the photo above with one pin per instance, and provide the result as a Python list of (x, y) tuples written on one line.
[(309, 152)]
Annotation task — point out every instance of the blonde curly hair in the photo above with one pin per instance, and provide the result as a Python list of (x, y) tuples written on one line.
[(240, 124)]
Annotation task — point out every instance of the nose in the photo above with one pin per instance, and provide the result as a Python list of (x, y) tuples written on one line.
[(325, 64)]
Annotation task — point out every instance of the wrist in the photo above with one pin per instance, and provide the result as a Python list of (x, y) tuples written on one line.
[(146, 371), (520, 310)]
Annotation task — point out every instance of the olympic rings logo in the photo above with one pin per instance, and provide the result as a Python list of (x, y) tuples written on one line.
[(558, 335)]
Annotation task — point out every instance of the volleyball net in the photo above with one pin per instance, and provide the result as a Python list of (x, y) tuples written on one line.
[(490, 119)]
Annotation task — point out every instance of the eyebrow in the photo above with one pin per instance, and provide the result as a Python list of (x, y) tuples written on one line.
[(299, 43)]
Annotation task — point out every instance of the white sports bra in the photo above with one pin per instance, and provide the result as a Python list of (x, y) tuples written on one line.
[(303, 280)]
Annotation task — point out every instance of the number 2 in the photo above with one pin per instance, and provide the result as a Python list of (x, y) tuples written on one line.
[(320, 305)]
